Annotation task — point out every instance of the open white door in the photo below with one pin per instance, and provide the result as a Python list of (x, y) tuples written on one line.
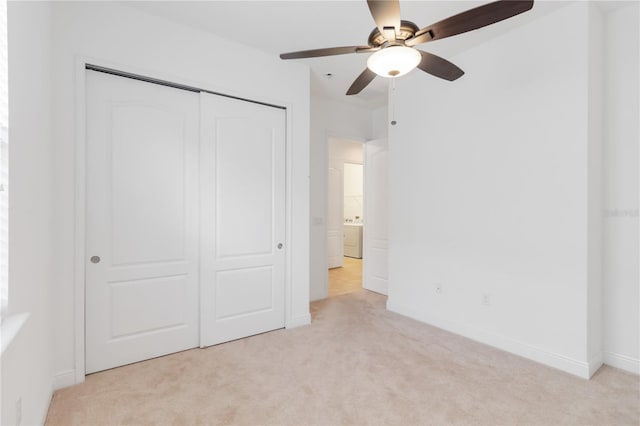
[(374, 274), (141, 231), (242, 218)]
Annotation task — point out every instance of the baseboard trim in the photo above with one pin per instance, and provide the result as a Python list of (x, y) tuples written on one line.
[(299, 321), (525, 350), (623, 362), (64, 379)]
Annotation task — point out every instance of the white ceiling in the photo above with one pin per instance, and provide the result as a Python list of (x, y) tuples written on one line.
[(285, 26)]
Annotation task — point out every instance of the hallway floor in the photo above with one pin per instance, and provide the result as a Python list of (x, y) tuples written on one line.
[(346, 279)]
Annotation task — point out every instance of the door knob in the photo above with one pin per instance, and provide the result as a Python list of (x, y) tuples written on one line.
[(95, 259), (280, 246)]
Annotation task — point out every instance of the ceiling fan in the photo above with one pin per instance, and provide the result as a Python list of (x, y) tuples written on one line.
[(393, 40)]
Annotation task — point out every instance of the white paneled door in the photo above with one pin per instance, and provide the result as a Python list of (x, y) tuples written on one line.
[(374, 274), (142, 230), (242, 217), (185, 220)]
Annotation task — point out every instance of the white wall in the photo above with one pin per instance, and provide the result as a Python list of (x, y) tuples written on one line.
[(134, 41), (379, 123), (621, 254), (489, 193), (328, 119), (345, 150), (26, 363)]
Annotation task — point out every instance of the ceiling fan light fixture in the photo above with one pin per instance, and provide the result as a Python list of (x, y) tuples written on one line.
[(394, 61)]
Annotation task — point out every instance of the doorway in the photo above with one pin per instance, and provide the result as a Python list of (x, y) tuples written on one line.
[(345, 216), (350, 273)]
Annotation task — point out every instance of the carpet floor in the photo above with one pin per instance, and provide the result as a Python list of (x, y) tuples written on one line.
[(355, 364)]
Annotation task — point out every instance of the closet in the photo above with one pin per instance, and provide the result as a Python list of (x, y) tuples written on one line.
[(185, 219)]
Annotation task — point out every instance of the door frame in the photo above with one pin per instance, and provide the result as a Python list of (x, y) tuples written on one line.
[(80, 177), (328, 137)]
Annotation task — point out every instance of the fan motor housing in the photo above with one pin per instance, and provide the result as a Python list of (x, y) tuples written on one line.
[(407, 30)]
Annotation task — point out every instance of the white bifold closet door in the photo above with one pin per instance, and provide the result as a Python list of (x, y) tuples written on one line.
[(242, 214), (184, 217)]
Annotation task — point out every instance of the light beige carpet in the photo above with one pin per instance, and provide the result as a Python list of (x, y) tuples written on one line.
[(356, 364)]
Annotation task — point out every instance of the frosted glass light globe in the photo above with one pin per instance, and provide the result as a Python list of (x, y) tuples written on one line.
[(394, 61)]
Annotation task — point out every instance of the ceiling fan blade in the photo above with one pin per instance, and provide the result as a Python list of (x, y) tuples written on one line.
[(324, 52), (471, 20), (361, 82), (435, 65), (386, 13)]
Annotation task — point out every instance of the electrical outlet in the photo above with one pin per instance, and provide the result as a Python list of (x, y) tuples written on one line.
[(18, 411), (486, 299), (438, 288)]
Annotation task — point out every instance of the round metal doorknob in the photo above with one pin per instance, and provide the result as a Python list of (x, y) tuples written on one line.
[(95, 259), (280, 246)]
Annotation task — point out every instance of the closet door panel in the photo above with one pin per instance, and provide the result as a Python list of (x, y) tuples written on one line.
[(141, 270), (242, 217)]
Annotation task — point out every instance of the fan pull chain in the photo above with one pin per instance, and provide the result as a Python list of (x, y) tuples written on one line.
[(393, 102)]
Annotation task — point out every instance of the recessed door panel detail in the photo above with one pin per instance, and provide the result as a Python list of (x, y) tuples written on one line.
[(378, 261), (147, 184), (132, 313), (244, 187), (243, 292), (377, 167)]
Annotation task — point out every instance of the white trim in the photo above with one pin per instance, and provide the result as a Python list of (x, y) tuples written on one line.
[(299, 321), (623, 362), (542, 356), (288, 196), (64, 379), (80, 214), (80, 196)]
